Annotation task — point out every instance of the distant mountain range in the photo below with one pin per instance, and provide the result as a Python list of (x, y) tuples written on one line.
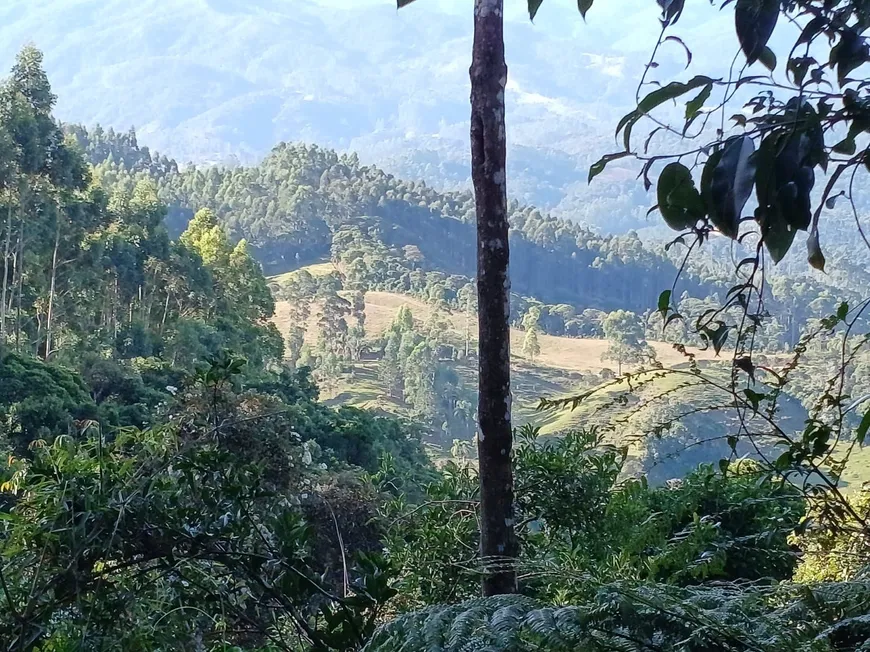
[(224, 80)]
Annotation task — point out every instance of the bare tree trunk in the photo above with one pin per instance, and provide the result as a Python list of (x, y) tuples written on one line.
[(20, 270), (498, 542), (165, 311), (51, 291), (6, 244)]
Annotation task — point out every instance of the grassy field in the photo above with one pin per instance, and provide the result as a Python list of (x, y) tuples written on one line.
[(685, 410), (565, 365)]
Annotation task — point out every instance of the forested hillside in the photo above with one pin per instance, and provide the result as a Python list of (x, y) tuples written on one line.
[(332, 232), (304, 405)]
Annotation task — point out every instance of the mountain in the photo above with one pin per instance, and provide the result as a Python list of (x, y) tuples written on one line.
[(223, 80)]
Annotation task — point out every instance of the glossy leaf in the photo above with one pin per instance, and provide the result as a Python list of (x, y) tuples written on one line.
[(731, 180)]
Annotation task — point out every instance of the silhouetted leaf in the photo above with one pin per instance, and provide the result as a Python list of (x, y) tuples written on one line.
[(625, 124), (754, 21), (664, 302), (694, 106), (679, 201), (677, 39), (731, 176), (846, 146), (534, 5), (850, 52), (670, 92), (598, 167), (814, 251), (783, 462), (767, 58), (831, 201), (584, 6), (843, 310), (671, 11)]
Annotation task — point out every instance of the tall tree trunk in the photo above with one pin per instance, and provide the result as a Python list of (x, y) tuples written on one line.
[(20, 270), (6, 243), (165, 311), (498, 542), (51, 291)]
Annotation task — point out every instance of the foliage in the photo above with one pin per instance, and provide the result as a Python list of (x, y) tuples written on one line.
[(153, 541), (40, 401), (574, 514), (132, 541), (626, 616), (625, 335)]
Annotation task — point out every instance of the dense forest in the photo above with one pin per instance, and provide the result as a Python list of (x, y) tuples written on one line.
[(173, 481)]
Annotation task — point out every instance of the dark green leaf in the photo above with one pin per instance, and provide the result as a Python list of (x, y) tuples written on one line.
[(767, 59), (626, 123), (754, 21), (732, 443), (598, 167), (584, 6), (679, 201), (754, 398), (812, 29), (842, 311), (403, 3), (534, 5), (846, 146), (863, 427), (783, 462), (850, 52), (670, 92), (778, 236), (730, 183), (664, 301), (694, 106), (814, 252)]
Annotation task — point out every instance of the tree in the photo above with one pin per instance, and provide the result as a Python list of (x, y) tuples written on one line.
[(333, 336), (488, 172), (531, 321), (357, 332), (488, 153), (624, 332), (467, 300), (299, 292), (531, 345)]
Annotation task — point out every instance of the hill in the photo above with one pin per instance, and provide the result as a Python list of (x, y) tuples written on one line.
[(221, 81), (564, 366)]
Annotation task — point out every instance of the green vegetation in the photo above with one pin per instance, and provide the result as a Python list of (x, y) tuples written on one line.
[(172, 479)]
